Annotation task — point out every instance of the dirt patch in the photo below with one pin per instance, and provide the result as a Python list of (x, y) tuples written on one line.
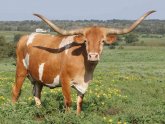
[(112, 111)]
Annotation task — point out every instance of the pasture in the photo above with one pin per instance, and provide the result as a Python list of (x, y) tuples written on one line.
[(128, 88)]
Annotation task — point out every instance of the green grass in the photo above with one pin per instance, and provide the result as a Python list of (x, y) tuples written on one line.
[(128, 87)]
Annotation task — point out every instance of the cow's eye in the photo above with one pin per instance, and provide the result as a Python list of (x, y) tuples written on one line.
[(103, 41), (85, 41)]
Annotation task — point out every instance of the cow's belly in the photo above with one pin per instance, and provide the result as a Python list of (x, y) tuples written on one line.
[(56, 82), (79, 84)]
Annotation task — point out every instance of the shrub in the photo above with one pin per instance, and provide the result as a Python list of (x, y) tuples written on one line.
[(2, 41), (17, 37), (121, 47), (130, 38), (7, 49)]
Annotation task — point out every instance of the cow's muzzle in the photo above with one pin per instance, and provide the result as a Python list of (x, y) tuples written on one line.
[(93, 56)]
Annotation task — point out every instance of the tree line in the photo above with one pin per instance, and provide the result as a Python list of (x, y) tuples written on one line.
[(147, 26)]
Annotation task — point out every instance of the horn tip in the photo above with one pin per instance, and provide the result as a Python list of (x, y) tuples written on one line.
[(35, 14), (152, 11)]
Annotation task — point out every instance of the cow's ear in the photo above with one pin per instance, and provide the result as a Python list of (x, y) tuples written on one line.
[(111, 39), (79, 39)]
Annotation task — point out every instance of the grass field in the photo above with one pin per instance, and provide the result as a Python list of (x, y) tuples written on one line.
[(128, 88), (151, 40)]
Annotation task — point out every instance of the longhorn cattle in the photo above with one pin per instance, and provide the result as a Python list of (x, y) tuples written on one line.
[(66, 60)]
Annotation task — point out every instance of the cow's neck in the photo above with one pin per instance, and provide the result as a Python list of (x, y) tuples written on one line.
[(90, 67)]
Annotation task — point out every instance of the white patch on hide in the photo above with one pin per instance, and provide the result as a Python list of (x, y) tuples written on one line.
[(31, 38), (66, 42), (26, 61), (55, 83), (41, 71)]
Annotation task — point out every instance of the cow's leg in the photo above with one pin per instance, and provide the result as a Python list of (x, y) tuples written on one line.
[(21, 74), (79, 103), (66, 90), (37, 92)]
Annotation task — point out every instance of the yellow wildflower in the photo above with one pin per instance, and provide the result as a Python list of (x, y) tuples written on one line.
[(110, 120), (119, 122), (104, 118), (2, 97), (102, 103), (30, 98)]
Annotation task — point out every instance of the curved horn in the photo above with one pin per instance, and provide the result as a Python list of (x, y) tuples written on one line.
[(132, 27), (57, 29)]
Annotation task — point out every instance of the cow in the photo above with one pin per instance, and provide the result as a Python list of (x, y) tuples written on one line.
[(67, 59)]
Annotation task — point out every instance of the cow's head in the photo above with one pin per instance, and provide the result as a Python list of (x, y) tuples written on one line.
[(95, 37)]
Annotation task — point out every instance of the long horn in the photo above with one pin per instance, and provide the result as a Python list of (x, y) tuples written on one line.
[(57, 29), (132, 27)]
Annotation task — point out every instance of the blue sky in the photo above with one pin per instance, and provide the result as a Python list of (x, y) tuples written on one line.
[(80, 9)]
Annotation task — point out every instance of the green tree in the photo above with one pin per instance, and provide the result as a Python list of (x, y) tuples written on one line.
[(130, 38)]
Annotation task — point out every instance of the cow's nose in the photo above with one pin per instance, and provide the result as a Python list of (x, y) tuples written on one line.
[(93, 57)]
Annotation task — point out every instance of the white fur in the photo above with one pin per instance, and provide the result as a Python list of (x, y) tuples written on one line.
[(41, 71), (80, 84), (31, 38), (81, 87), (26, 61), (55, 82), (65, 42)]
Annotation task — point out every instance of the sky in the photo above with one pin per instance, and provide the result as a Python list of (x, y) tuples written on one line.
[(18, 10)]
